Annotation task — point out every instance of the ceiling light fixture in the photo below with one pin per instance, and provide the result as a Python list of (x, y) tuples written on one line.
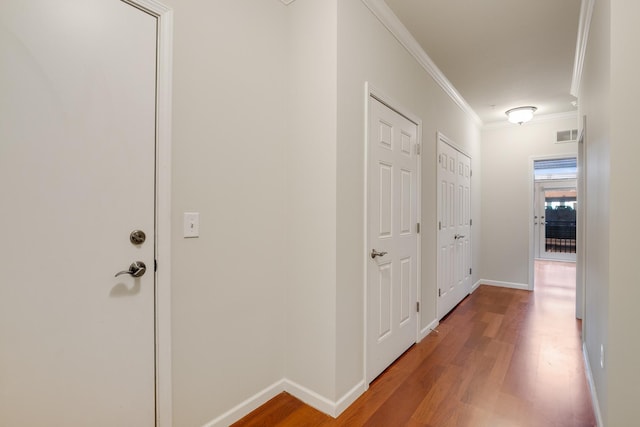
[(520, 115)]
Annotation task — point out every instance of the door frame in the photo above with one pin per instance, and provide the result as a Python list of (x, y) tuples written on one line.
[(532, 207), (442, 137), (164, 69), (373, 93), (581, 230), (541, 187)]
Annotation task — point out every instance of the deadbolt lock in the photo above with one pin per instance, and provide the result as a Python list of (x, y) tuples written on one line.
[(137, 237)]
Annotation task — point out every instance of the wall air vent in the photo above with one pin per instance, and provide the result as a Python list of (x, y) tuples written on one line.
[(563, 136)]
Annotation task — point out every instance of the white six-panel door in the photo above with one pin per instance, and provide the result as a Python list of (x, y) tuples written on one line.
[(454, 227), (77, 159), (392, 220)]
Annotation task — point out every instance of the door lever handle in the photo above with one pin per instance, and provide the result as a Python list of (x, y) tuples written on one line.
[(136, 269), (458, 236), (375, 253)]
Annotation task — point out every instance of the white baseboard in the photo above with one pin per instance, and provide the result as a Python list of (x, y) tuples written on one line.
[(500, 284), (252, 403), (427, 329), (475, 286), (345, 401), (309, 397), (592, 386), (321, 403)]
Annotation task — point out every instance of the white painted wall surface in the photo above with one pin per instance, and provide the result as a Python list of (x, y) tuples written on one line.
[(269, 148), (367, 51), (621, 359), (507, 193), (229, 164), (595, 103), (310, 258)]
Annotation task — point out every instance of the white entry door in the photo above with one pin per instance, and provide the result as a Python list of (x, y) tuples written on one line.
[(555, 207), (77, 159), (454, 225), (392, 237)]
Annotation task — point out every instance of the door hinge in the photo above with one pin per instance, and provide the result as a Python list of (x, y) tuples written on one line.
[(417, 148), (471, 172), (470, 222), (439, 292), (418, 306), (418, 228), (155, 265), (470, 270), (440, 158), (439, 225)]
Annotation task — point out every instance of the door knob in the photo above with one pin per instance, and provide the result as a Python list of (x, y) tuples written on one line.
[(136, 269), (375, 253)]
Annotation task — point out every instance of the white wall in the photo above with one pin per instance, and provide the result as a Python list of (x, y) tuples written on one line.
[(269, 148), (621, 358), (607, 96), (507, 194), (229, 164), (368, 52), (311, 196), (594, 102)]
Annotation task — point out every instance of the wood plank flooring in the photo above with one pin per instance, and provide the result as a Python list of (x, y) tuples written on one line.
[(502, 358)]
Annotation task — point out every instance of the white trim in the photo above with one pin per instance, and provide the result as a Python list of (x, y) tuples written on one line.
[(536, 119), (307, 396), (428, 329), (510, 285), (475, 286), (365, 225), (531, 190), (251, 404), (373, 92), (592, 386), (581, 221), (586, 12), (287, 2), (349, 397), (442, 137), (310, 397), (541, 186), (384, 14), (164, 16)]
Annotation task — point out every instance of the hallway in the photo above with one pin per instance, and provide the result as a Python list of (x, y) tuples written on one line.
[(503, 357)]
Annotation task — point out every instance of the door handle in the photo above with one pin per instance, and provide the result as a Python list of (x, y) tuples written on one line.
[(458, 236), (136, 269), (375, 253)]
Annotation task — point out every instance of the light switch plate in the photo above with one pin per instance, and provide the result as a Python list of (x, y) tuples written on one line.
[(191, 224)]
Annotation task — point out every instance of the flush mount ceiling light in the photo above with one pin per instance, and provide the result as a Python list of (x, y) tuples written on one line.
[(520, 115)]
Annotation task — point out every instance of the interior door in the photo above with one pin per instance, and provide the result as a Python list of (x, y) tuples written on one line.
[(454, 227), (392, 237), (77, 159)]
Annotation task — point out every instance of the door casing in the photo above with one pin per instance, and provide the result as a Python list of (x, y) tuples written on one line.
[(441, 138), (532, 233), (164, 16), (539, 189), (373, 93)]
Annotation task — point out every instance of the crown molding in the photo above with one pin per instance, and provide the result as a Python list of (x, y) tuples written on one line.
[(386, 16), (536, 119), (586, 11)]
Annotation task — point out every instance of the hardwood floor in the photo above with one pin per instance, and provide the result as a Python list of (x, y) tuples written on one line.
[(502, 358)]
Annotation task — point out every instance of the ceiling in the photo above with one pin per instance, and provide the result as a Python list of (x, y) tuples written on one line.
[(499, 54)]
